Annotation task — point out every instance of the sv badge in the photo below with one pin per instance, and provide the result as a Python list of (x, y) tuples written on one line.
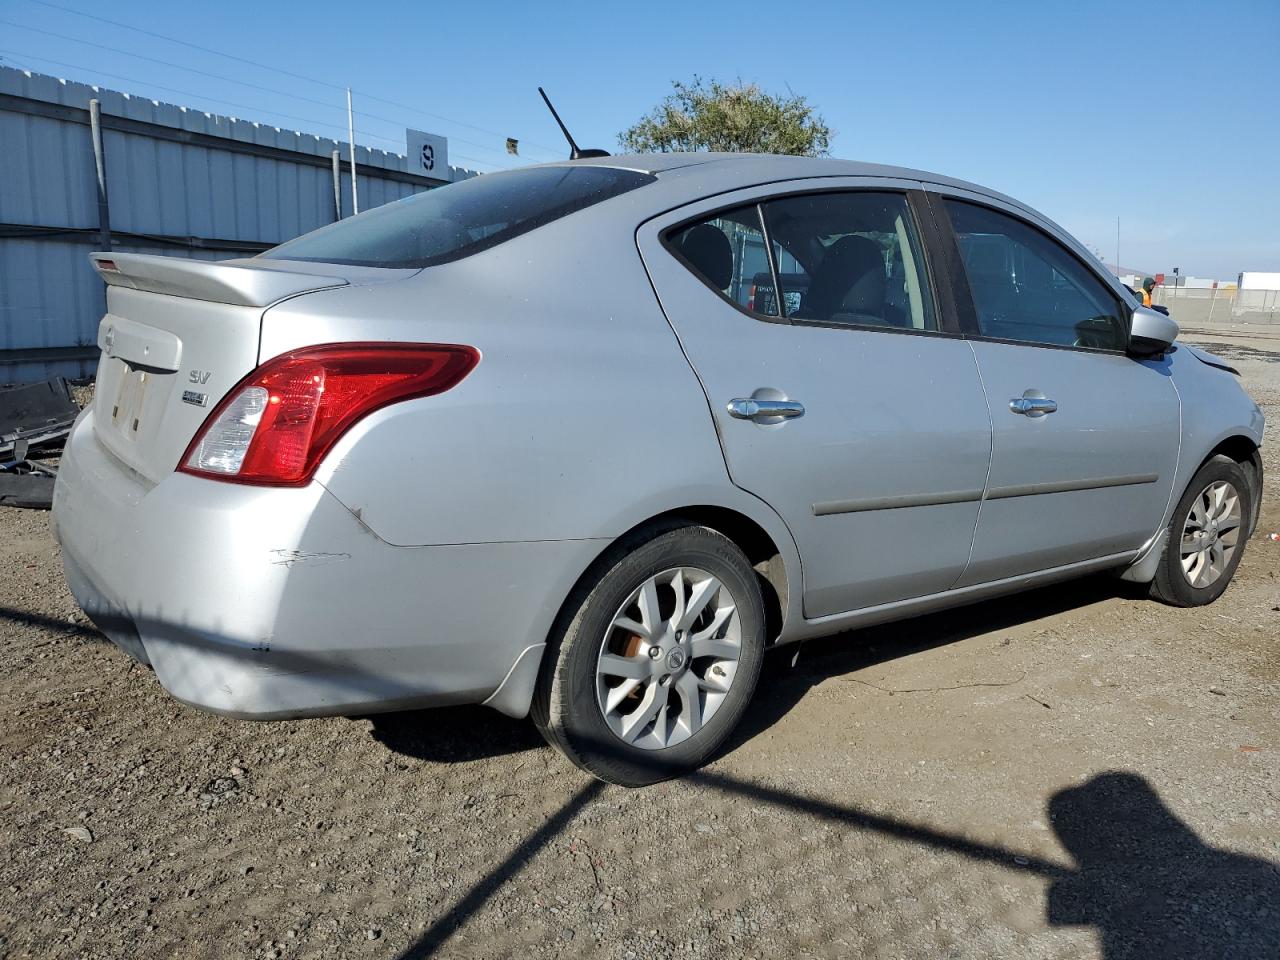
[(199, 376)]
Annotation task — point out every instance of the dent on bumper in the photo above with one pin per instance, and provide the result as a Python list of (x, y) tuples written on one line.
[(275, 603)]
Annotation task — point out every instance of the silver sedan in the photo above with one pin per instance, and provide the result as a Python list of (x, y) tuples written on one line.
[(583, 440)]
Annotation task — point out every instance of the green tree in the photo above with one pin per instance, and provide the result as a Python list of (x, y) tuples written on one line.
[(708, 115)]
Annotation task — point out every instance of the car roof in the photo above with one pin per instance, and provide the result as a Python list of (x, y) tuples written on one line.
[(733, 170), (768, 166)]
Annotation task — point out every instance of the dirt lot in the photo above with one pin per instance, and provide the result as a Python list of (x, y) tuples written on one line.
[(1075, 772)]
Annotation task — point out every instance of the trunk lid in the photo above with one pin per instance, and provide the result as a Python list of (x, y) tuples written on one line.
[(179, 334)]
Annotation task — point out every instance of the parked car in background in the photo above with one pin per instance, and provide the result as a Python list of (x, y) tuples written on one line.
[(762, 299), (519, 441)]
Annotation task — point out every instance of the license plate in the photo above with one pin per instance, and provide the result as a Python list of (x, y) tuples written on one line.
[(126, 413)]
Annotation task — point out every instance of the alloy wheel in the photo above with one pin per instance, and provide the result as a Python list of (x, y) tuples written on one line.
[(1210, 534), (668, 658)]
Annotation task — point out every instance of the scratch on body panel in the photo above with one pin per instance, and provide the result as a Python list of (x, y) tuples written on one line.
[(289, 557)]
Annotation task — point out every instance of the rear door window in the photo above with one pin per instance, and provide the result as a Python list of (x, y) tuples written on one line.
[(851, 258), (458, 220)]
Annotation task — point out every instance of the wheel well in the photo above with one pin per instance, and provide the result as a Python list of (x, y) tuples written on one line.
[(749, 536), (1245, 452), (761, 551)]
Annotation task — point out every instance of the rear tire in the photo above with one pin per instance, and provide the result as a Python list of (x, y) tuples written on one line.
[(654, 659), (1207, 535)]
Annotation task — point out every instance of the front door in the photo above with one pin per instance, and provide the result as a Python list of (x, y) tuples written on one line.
[(1084, 438), (848, 403)]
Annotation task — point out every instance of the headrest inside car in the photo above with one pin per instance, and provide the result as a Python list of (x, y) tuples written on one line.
[(707, 249)]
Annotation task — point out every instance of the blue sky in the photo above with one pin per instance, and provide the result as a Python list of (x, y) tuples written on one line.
[(1165, 114)]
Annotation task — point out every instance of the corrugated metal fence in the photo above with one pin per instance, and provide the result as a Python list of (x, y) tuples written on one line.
[(178, 181)]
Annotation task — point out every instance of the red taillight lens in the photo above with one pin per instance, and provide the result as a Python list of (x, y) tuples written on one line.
[(751, 298), (276, 426)]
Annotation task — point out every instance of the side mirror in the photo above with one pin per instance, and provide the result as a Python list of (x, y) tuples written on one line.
[(1151, 332)]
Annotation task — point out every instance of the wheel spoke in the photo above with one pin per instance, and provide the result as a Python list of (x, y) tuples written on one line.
[(1217, 493), (713, 684), (1192, 565), (698, 599), (1230, 507), (690, 703), (620, 693), (717, 624), (678, 588), (633, 668), (1217, 559), (647, 601), (1192, 544), (623, 622), (710, 647), (655, 700), (662, 720), (1200, 511)]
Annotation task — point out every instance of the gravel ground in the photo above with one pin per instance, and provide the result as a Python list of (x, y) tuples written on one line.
[(1075, 772)]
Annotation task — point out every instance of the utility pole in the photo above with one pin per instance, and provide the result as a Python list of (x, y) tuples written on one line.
[(100, 165), (1117, 246), (351, 133), (337, 185)]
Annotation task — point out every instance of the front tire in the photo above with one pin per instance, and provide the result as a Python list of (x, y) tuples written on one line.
[(658, 659), (1207, 534)]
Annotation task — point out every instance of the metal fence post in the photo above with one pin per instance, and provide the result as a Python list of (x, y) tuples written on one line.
[(351, 131), (100, 162), (1213, 303), (337, 185)]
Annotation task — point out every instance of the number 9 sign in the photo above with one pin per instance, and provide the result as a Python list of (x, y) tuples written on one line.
[(428, 154)]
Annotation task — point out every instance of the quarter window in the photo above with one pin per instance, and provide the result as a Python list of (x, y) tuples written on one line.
[(1028, 287), (727, 252)]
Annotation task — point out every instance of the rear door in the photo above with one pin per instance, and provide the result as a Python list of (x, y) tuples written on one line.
[(1085, 438), (851, 404)]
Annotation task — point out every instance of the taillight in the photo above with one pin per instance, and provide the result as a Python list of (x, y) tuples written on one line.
[(278, 423), (751, 298)]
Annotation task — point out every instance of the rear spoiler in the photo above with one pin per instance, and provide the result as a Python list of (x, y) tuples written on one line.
[(235, 282)]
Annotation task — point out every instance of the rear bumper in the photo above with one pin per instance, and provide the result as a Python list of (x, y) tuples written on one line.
[(276, 603)]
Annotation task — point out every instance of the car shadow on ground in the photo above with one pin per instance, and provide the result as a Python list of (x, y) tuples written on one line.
[(460, 734), (783, 685), (454, 734), (52, 625)]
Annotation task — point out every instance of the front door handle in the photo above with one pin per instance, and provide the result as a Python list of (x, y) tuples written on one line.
[(767, 411), (1033, 406)]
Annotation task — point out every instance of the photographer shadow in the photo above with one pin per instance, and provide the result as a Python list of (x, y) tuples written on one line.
[(1151, 887)]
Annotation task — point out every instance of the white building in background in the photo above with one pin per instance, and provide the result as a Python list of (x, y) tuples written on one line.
[(1260, 280)]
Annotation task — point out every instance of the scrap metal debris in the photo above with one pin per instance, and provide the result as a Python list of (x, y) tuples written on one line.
[(39, 413), (26, 483), (35, 415)]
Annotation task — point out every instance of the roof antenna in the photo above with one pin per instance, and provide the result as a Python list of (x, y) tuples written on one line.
[(574, 152)]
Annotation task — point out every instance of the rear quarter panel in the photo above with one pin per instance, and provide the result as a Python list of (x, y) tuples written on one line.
[(582, 419)]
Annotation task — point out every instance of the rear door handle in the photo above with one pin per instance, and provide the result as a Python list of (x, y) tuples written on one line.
[(748, 408), (1033, 406)]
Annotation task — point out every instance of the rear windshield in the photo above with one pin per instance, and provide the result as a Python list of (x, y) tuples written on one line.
[(455, 221)]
